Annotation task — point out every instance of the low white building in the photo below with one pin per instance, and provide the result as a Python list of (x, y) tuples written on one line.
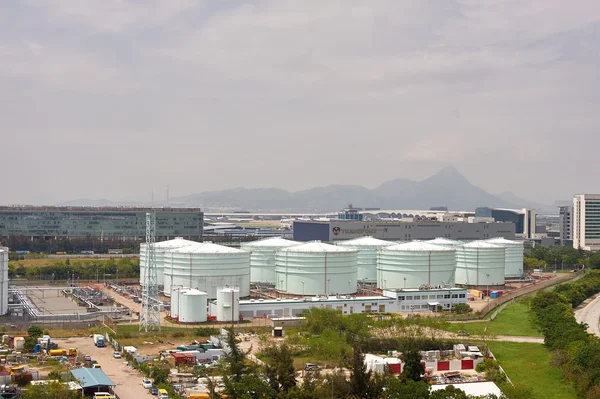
[(390, 302)]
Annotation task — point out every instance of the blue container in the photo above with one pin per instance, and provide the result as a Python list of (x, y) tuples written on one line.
[(37, 348), (494, 294)]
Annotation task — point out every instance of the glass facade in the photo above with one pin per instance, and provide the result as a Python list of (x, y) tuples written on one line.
[(592, 219), (113, 222)]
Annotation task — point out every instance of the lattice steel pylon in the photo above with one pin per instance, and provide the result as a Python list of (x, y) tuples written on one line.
[(150, 311)]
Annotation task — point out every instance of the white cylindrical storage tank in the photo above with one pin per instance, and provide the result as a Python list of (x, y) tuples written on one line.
[(446, 242), (414, 264), (513, 256), (367, 256), (175, 300), (317, 268), (3, 280), (228, 304), (207, 266), (262, 258), (192, 306), (480, 264), (160, 248)]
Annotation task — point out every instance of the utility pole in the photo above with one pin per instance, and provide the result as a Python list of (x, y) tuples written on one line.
[(150, 310)]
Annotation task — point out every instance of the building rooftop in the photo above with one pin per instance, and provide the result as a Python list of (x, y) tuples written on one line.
[(33, 208), (92, 378)]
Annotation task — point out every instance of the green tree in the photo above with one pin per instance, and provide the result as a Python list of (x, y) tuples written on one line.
[(413, 368), (280, 368), (160, 373), (52, 390), (363, 383), (405, 389), (450, 392)]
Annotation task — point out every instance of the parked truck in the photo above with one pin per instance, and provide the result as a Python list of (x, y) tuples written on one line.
[(99, 340), (63, 352)]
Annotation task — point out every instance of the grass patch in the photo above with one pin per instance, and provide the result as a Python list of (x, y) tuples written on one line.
[(47, 261), (473, 328), (514, 320), (528, 364)]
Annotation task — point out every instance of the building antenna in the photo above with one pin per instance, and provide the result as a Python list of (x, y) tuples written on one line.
[(150, 310)]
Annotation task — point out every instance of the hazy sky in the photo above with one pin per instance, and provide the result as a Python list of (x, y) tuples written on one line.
[(112, 98)]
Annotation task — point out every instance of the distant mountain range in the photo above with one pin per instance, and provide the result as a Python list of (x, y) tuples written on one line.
[(446, 188)]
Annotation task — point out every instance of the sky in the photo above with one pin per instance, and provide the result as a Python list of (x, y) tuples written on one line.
[(119, 98)]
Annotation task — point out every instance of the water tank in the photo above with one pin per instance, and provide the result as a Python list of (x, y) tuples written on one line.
[(316, 268), (207, 266), (480, 264), (513, 256), (192, 306), (160, 248), (367, 256), (228, 304), (416, 263), (262, 258), (3, 280), (175, 300)]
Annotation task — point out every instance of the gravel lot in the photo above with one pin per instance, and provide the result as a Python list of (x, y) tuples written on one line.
[(128, 381)]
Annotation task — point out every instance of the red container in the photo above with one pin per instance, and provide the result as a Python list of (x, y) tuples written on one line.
[(395, 368)]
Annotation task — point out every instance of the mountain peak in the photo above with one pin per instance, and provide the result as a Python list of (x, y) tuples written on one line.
[(449, 174)]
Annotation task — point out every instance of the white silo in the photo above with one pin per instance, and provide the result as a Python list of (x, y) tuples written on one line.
[(192, 306), (175, 300), (367, 256), (228, 304), (414, 264), (262, 258), (160, 248), (480, 264), (513, 258), (206, 266), (317, 268), (3, 280)]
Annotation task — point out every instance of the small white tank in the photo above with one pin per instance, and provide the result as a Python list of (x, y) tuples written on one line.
[(228, 304), (367, 256), (513, 258), (480, 264), (262, 258), (175, 298), (192, 306)]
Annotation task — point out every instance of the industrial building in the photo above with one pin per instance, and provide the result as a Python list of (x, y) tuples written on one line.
[(3, 280), (523, 219), (263, 256), (565, 224), (480, 263), (126, 223), (316, 268), (206, 266), (339, 230), (391, 301), (586, 222)]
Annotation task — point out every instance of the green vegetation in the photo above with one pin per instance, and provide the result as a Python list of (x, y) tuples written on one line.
[(514, 320), (529, 365), (473, 328), (54, 270)]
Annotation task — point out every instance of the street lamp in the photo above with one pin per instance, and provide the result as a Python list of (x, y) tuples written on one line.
[(487, 281)]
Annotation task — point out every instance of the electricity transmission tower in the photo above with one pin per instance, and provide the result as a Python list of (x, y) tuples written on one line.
[(150, 311)]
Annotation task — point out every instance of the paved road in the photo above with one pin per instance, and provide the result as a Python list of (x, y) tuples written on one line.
[(590, 314), (128, 381)]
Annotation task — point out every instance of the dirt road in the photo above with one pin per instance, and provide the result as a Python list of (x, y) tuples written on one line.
[(128, 381)]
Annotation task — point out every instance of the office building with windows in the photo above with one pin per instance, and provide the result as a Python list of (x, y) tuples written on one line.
[(124, 223), (565, 224), (524, 219), (586, 221)]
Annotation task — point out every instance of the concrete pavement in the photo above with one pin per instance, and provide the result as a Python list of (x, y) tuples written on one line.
[(590, 314)]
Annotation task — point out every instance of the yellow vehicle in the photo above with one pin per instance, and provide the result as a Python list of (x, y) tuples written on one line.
[(96, 366), (203, 396), (103, 395), (18, 370), (62, 352), (163, 394)]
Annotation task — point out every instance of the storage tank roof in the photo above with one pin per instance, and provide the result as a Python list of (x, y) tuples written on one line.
[(174, 243), (273, 242), (318, 246), (194, 292), (367, 241), (444, 241), (481, 244), (503, 241), (419, 246), (207, 248)]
